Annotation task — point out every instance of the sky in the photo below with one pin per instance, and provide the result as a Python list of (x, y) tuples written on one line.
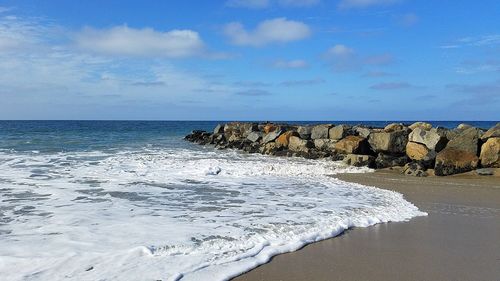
[(250, 60)]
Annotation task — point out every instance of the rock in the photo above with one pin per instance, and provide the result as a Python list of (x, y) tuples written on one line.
[(494, 132), (254, 136), (387, 160), (421, 125), (467, 140), (268, 148), (297, 144), (338, 132), (320, 131), (283, 139), (304, 132), (464, 126), (490, 153), (485, 172), (352, 145), (325, 144), (432, 139), (359, 160), (416, 151), (428, 160), (219, 129), (414, 169), (394, 142), (393, 127), (271, 136), (362, 131), (270, 128), (453, 161), (247, 128)]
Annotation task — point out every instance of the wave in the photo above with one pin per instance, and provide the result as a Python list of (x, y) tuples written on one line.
[(174, 214)]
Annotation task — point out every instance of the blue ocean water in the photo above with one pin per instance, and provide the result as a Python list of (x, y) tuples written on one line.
[(51, 136), (131, 200)]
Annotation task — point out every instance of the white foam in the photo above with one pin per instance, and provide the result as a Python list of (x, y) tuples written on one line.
[(172, 214)]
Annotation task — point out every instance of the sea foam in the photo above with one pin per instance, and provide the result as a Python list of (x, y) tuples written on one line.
[(170, 214)]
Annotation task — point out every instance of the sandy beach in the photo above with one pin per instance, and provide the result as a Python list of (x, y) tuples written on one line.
[(458, 240)]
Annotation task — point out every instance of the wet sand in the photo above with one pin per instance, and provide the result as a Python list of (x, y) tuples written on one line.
[(458, 240)]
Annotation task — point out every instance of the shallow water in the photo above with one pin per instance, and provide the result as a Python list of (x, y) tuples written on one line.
[(139, 203)]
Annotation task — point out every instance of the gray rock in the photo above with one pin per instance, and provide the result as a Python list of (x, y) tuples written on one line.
[(325, 144), (393, 127), (422, 125), (464, 126), (485, 172), (254, 136), (271, 136), (338, 132), (393, 142), (304, 132), (432, 139), (359, 160), (320, 131), (494, 132), (362, 131), (219, 129), (297, 144), (467, 140), (387, 160)]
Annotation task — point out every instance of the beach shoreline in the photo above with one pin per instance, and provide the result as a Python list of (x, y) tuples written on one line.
[(458, 240)]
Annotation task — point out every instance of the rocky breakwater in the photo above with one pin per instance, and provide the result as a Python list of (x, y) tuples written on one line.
[(417, 149)]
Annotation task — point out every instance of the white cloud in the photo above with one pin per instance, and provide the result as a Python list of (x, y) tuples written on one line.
[(279, 30), (356, 4), (146, 42), (4, 9), (342, 59), (290, 64), (252, 4)]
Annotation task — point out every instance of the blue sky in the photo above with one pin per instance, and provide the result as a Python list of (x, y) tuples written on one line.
[(250, 60)]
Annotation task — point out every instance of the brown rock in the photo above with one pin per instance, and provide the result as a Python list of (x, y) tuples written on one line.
[(416, 151), (320, 131), (359, 160), (421, 125), (297, 144), (494, 132), (283, 139), (453, 161), (467, 140), (325, 144), (338, 132), (394, 142), (352, 145), (490, 153), (270, 128)]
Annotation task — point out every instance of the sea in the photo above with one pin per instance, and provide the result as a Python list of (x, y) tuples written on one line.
[(131, 200)]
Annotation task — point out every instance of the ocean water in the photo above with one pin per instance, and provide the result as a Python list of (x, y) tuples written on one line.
[(109, 200)]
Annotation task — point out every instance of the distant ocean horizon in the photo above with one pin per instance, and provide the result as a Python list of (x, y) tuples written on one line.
[(94, 200)]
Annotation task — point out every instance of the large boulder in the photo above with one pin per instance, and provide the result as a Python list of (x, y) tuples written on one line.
[(464, 126), (393, 142), (388, 160), (361, 131), (494, 132), (320, 131), (421, 125), (433, 139), (297, 144), (359, 160), (268, 148), (325, 144), (416, 151), (454, 161), (271, 136), (393, 127), (283, 139), (254, 136), (338, 132), (352, 145), (490, 153), (466, 140), (304, 132), (267, 128)]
